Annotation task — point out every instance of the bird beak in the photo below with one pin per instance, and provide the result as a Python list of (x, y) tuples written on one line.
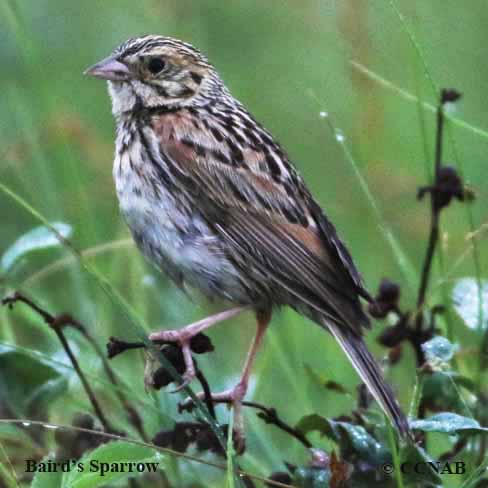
[(109, 69)]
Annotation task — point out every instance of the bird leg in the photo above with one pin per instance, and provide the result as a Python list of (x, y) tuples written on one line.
[(235, 395), (183, 337)]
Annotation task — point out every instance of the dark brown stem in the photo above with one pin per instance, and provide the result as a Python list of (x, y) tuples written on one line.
[(207, 393), (270, 416), (434, 225), (426, 269), (455, 450), (435, 210), (117, 346), (56, 324)]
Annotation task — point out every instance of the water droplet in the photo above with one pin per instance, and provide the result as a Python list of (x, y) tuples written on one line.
[(339, 135), (26, 424), (323, 115), (148, 280), (450, 108), (48, 426)]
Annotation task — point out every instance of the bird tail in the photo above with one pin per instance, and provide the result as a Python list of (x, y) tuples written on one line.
[(369, 371)]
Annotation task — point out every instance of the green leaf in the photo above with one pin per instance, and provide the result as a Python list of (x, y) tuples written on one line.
[(366, 446), (463, 381), (48, 479), (439, 350), (352, 439), (312, 477), (7, 479), (439, 392), (46, 393), (21, 377), (449, 423), (315, 422), (38, 238), (112, 462), (466, 299), (413, 455), (12, 432)]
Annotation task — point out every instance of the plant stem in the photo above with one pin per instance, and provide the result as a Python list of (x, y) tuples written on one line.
[(434, 223), (395, 456)]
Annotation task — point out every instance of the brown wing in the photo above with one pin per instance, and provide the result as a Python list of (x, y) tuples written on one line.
[(269, 222)]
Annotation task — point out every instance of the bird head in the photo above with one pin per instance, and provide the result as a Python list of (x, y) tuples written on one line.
[(155, 71)]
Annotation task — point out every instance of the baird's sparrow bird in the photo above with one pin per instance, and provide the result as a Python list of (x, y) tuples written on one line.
[(213, 200)]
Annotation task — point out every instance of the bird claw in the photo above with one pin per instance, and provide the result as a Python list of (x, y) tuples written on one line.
[(187, 379), (182, 338), (233, 398), (239, 441)]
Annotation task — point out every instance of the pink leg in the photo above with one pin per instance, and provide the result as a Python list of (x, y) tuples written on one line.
[(235, 395), (183, 337)]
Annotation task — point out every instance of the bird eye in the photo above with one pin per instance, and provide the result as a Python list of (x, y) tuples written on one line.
[(156, 65)]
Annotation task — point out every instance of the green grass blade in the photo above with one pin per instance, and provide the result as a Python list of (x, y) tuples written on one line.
[(230, 452), (7, 473), (402, 259), (410, 97), (395, 455), (416, 46)]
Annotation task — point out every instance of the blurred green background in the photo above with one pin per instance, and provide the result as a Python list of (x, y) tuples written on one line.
[(287, 62)]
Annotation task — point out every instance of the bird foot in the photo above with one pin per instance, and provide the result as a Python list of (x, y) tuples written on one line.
[(233, 397), (181, 337)]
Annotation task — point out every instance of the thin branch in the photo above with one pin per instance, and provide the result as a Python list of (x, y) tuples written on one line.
[(56, 324), (118, 346), (270, 416), (435, 214), (446, 186)]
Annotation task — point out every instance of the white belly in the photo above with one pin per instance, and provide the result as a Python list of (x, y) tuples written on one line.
[(178, 243)]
